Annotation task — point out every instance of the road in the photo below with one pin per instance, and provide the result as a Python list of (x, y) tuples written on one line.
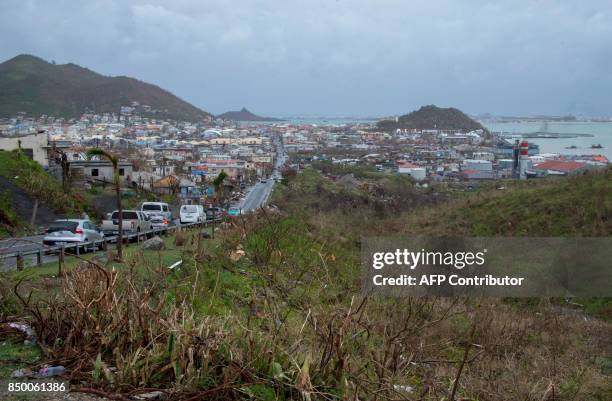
[(22, 244), (257, 196), (260, 192)]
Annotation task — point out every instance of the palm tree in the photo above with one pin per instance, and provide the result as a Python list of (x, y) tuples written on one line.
[(61, 158), (114, 160), (218, 184)]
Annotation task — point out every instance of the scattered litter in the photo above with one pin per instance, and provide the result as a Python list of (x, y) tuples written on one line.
[(177, 264), (24, 328), (154, 395), (236, 255), (25, 372), (52, 371), (404, 388)]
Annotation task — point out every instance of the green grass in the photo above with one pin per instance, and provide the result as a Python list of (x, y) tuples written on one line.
[(219, 283), (571, 206), (306, 263), (16, 355), (359, 171)]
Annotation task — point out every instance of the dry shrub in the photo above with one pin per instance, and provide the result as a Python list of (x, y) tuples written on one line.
[(129, 324), (305, 334), (180, 238), (406, 348)]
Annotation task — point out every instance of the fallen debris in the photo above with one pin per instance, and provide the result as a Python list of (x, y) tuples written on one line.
[(155, 244), (24, 372), (154, 395), (52, 371), (236, 255)]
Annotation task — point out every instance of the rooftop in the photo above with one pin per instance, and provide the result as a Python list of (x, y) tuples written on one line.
[(566, 166)]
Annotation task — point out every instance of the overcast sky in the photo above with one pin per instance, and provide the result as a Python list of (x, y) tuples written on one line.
[(335, 57)]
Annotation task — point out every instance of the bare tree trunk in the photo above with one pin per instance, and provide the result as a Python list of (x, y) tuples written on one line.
[(66, 177), (34, 211), (120, 211), (60, 263), (65, 164)]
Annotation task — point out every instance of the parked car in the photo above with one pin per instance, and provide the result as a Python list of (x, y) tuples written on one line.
[(263, 181), (62, 232), (214, 214), (234, 211), (192, 214), (158, 221), (157, 208), (134, 221)]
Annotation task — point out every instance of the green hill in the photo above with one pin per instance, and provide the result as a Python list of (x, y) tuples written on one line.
[(389, 205), (34, 86), (245, 115), (575, 206), (433, 117)]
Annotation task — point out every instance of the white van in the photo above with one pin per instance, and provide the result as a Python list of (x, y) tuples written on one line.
[(192, 214), (156, 208)]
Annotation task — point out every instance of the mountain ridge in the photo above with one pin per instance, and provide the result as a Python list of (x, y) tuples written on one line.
[(433, 117), (245, 115), (32, 85)]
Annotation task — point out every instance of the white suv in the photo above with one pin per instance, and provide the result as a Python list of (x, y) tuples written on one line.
[(192, 214), (156, 209)]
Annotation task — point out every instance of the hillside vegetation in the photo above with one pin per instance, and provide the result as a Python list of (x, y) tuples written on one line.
[(272, 309), (574, 206), (24, 180), (570, 206), (433, 117), (34, 86)]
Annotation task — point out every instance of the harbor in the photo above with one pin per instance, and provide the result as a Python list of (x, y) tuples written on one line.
[(564, 138)]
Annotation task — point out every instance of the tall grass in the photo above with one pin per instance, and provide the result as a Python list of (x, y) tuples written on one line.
[(275, 312)]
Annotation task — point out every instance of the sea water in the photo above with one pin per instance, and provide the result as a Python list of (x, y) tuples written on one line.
[(601, 131)]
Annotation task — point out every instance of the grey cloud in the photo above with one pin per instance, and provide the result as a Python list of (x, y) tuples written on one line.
[(355, 57)]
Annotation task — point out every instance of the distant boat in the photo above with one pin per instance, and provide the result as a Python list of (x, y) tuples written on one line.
[(571, 147), (598, 146)]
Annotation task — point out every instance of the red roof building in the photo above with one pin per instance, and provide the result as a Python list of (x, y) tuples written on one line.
[(560, 166)]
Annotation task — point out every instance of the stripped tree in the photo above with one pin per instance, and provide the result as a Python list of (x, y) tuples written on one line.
[(218, 185), (114, 160)]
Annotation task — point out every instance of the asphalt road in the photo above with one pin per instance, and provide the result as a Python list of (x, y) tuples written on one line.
[(21, 244), (257, 196), (260, 192)]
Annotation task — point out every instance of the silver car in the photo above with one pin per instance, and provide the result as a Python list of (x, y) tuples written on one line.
[(69, 231)]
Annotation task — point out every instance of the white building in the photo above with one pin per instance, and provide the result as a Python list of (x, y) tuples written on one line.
[(480, 165), (35, 146), (416, 172)]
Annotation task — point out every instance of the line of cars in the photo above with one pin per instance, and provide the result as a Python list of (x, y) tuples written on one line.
[(152, 215)]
